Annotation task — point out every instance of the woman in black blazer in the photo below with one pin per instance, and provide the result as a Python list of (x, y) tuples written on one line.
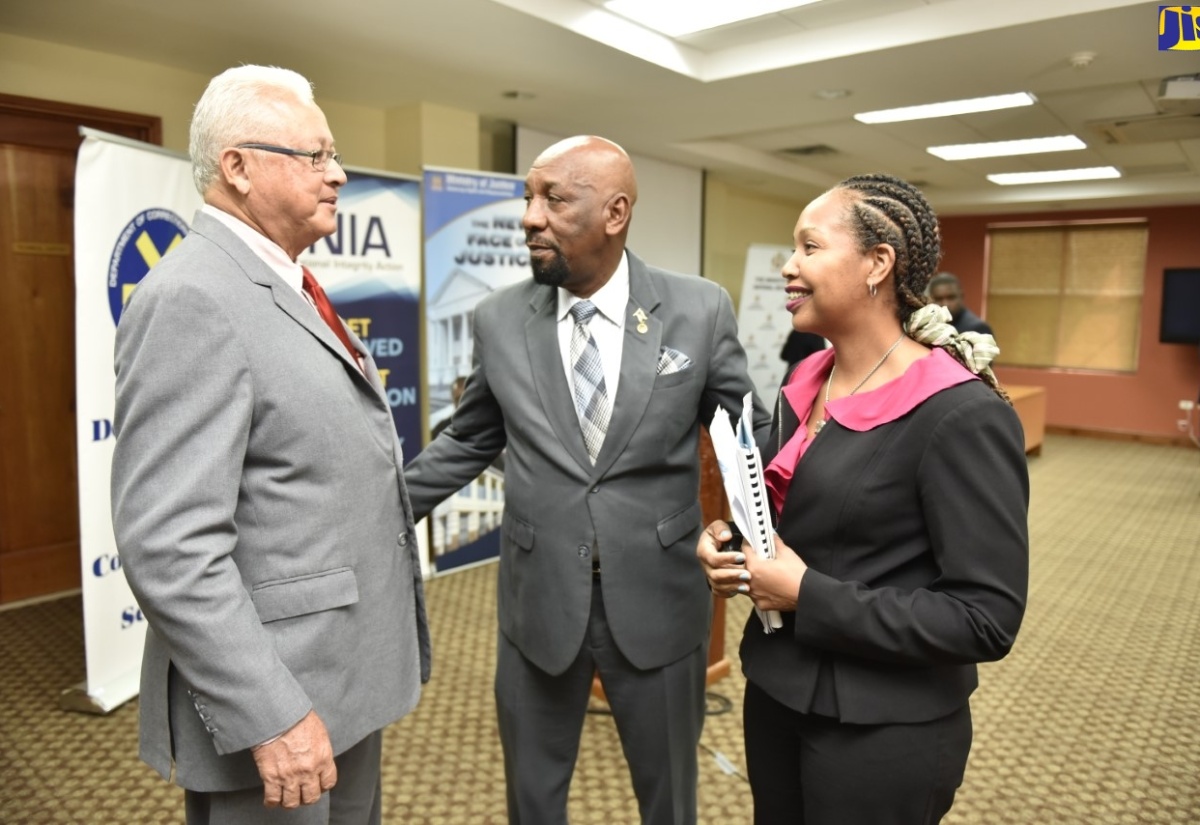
[(897, 471)]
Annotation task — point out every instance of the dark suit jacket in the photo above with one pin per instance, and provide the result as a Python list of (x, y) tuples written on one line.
[(261, 517), (967, 321), (916, 537), (639, 503)]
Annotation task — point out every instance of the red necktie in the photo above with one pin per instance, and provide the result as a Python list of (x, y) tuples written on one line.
[(325, 310)]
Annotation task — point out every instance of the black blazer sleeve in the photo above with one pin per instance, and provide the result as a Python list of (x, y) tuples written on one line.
[(973, 488)]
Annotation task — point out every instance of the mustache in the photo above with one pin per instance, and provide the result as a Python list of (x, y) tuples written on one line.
[(534, 239)]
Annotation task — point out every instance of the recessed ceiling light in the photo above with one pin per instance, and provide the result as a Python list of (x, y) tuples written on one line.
[(1006, 148), (675, 19), (950, 107), (1057, 176), (831, 94)]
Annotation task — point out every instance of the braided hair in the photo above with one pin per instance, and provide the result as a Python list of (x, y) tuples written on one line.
[(888, 210)]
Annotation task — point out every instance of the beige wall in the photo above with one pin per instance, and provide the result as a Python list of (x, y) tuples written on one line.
[(372, 138), (425, 134), (34, 68), (734, 218)]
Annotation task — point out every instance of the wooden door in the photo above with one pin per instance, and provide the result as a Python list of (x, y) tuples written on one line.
[(39, 504)]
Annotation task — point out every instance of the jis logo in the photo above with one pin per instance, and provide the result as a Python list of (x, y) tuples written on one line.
[(1178, 28), (144, 240)]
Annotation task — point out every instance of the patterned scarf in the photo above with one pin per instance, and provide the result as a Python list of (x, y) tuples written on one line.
[(931, 325)]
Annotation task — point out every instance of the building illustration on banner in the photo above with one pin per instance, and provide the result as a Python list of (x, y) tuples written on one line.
[(474, 245), (476, 510), (450, 335)]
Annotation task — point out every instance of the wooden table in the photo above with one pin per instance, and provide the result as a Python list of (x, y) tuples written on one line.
[(1030, 405)]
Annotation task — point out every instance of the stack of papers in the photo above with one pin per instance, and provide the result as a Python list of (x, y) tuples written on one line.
[(742, 474)]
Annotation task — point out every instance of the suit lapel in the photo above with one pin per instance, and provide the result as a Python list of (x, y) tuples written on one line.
[(639, 364), (545, 360), (302, 313), (286, 298)]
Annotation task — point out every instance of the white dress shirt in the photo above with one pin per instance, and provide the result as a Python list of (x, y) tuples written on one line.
[(265, 249)]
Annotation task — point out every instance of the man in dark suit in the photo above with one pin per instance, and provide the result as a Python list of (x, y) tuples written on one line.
[(597, 375), (945, 289), (258, 500)]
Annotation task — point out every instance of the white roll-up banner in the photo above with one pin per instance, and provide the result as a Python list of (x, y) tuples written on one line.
[(133, 202), (763, 321)]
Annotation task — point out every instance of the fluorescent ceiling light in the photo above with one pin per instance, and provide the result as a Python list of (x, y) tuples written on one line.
[(1006, 148), (676, 19), (951, 107), (1057, 176)]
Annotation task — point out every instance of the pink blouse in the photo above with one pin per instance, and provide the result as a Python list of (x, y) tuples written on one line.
[(861, 412)]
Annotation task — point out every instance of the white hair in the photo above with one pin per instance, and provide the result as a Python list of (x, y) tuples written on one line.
[(232, 110)]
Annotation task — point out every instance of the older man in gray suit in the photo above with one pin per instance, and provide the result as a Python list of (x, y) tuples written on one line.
[(596, 376), (258, 500)]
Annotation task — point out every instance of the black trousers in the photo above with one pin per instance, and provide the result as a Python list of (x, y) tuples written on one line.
[(812, 770)]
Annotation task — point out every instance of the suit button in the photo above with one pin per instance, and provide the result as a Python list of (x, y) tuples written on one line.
[(584, 551), (596, 489), (403, 539)]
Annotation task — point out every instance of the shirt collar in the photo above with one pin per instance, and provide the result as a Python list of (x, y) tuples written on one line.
[(264, 248), (610, 299), (865, 411)]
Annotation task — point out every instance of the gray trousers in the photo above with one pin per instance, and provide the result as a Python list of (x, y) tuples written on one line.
[(354, 800), (659, 715)]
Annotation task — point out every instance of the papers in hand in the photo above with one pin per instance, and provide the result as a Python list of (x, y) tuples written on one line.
[(742, 474)]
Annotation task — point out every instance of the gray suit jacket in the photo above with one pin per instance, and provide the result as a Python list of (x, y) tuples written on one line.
[(261, 516), (638, 504)]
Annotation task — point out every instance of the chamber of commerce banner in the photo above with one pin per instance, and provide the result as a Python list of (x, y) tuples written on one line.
[(132, 205), (474, 245), (133, 202)]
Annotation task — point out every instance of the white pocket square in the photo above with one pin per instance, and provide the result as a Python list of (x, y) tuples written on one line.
[(672, 360)]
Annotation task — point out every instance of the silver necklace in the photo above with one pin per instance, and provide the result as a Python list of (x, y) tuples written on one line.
[(821, 424)]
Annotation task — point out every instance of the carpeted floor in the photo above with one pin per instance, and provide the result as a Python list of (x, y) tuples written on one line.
[(1094, 718)]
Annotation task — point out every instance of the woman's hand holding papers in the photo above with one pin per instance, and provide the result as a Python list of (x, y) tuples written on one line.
[(775, 583), (772, 584)]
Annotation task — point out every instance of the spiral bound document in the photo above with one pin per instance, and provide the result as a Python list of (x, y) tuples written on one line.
[(742, 474)]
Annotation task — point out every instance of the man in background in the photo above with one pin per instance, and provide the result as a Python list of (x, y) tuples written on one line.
[(258, 500), (945, 289), (597, 374)]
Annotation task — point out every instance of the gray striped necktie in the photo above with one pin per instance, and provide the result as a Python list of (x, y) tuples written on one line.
[(591, 398)]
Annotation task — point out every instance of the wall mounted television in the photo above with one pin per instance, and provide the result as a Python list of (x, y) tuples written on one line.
[(1180, 322)]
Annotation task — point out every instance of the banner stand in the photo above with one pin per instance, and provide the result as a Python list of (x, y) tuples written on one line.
[(132, 202), (474, 245), (763, 323), (131, 199), (106, 699)]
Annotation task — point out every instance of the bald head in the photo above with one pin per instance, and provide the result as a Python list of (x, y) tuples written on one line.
[(595, 162), (579, 197)]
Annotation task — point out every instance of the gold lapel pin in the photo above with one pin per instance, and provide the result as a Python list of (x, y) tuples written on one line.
[(641, 319)]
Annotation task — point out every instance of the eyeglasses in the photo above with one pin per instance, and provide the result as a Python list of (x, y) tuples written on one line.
[(320, 157)]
